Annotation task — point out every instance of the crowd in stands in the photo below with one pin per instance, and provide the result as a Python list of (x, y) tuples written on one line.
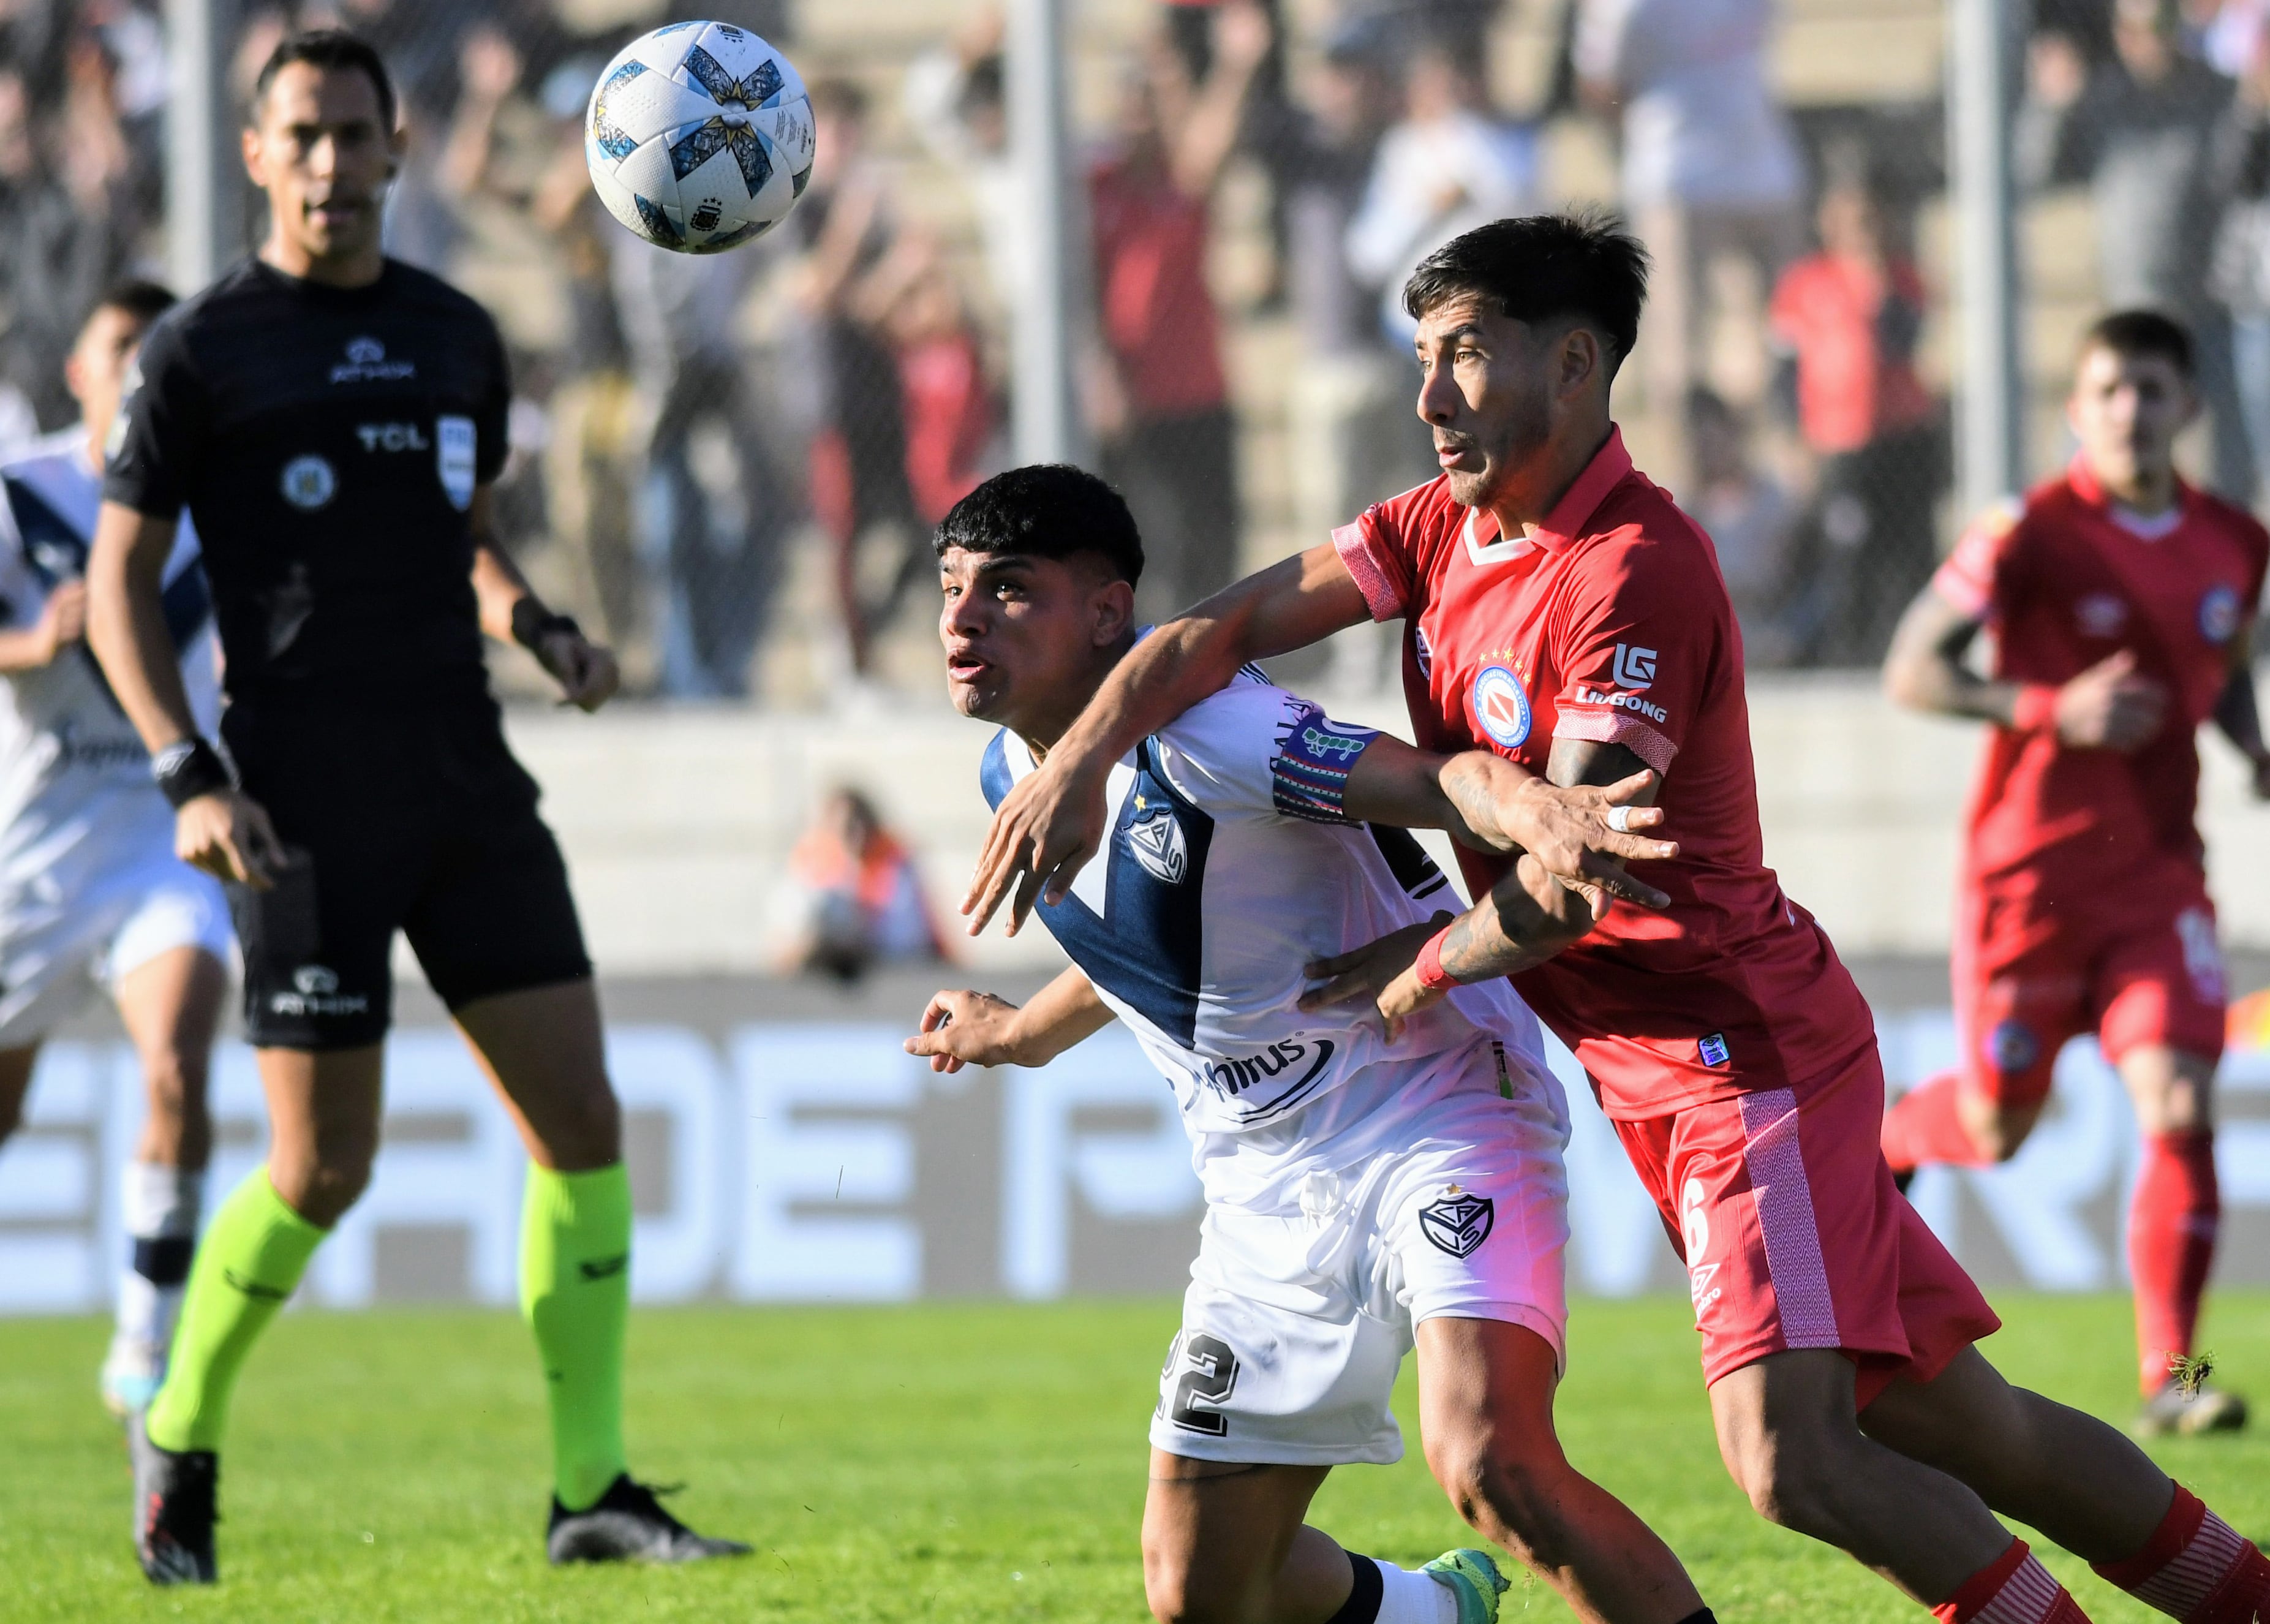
[(687, 424)]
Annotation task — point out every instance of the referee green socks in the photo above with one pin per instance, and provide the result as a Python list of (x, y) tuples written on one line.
[(249, 1262), (576, 1294), (575, 1290)]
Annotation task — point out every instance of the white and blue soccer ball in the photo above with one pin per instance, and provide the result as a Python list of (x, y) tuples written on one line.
[(699, 136)]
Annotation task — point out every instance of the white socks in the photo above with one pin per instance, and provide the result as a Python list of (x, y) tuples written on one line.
[(1408, 1597), (161, 1229)]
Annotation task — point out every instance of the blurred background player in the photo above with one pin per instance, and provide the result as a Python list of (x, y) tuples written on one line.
[(335, 419), (90, 889), (2120, 599)]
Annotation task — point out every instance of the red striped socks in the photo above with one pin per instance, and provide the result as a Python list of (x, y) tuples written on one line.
[(2195, 1568), (2013, 1589)]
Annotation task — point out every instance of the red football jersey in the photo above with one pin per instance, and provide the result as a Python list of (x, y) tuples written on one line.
[(2069, 581), (1612, 624)]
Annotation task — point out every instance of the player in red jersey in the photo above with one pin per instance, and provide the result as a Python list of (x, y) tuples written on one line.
[(2121, 601), (1567, 615)]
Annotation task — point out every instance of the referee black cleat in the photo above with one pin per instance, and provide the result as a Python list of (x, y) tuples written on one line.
[(175, 1506), (627, 1524)]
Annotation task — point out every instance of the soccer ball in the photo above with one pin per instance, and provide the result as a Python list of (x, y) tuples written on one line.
[(699, 136)]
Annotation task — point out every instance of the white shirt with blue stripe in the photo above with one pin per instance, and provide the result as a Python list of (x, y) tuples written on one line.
[(1229, 867)]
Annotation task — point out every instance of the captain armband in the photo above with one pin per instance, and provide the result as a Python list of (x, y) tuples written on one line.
[(1309, 772), (187, 768)]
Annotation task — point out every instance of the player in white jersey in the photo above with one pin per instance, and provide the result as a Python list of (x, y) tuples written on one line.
[(91, 893), (1367, 1190)]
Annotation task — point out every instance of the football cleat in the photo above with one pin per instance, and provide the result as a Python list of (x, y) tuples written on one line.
[(627, 1524), (1474, 1579), (175, 1506), (130, 1373), (2175, 1410)]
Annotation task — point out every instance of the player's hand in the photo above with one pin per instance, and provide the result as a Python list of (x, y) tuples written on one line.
[(64, 621), (227, 834), (586, 672), (1568, 830), (966, 1029), (2109, 707), (1371, 972), (1044, 831)]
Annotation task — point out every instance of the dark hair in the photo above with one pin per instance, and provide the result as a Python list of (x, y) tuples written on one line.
[(1582, 263), (1048, 510), (333, 51), (2132, 333), (145, 301)]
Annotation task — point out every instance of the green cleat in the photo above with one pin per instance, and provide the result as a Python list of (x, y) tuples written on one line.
[(1474, 1579)]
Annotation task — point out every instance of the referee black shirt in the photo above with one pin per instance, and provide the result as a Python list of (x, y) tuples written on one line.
[(327, 440)]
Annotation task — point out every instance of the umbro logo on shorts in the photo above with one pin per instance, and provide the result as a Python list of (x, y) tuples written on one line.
[(1459, 1222)]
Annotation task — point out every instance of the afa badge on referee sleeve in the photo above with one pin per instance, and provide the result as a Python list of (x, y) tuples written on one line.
[(456, 440)]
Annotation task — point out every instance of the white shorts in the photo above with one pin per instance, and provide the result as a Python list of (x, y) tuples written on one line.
[(69, 927), (1296, 1323)]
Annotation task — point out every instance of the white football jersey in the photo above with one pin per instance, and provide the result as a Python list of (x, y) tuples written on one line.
[(1229, 867), (65, 746)]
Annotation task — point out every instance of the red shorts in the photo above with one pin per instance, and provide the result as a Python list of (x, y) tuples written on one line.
[(1793, 1234), (2137, 968)]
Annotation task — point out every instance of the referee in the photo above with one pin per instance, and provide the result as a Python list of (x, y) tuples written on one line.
[(332, 419)]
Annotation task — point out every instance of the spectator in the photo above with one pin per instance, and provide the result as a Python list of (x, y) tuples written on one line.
[(861, 894), (1711, 169), (910, 304), (2141, 129), (1451, 164), (2240, 280), (1850, 316), (1159, 396), (954, 99), (1353, 438), (591, 461), (714, 513), (65, 231), (1753, 523), (858, 454)]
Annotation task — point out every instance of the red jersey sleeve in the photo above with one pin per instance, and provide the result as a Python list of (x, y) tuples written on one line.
[(1975, 578), (1385, 549), (1639, 639)]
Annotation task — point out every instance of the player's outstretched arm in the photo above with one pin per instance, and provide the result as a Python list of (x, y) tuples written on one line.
[(1487, 802), (61, 623), (585, 671), (216, 827), (1052, 822), (976, 1028), (2108, 707), (1525, 918)]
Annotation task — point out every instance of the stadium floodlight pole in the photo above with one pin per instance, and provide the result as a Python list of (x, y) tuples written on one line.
[(204, 198), (1983, 37), (1044, 420)]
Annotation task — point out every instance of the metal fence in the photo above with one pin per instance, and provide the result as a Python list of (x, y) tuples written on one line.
[(730, 466)]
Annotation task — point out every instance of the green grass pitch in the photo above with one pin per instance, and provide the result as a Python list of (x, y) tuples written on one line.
[(955, 1462)]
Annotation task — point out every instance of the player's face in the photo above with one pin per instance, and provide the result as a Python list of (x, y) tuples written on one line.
[(2127, 412), (96, 370), (321, 153), (1486, 391), (1025, 638)]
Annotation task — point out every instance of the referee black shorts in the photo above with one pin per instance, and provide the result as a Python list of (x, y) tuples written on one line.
[(416, 820)]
